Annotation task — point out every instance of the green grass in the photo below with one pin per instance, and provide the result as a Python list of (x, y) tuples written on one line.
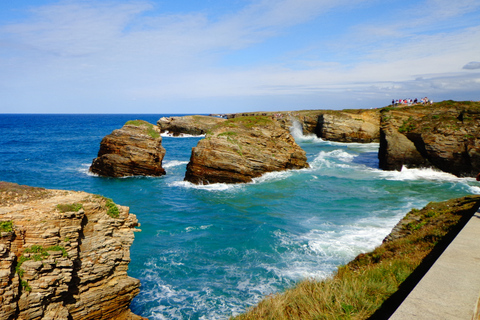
[(361, 287), (150, 128), (6, 226), (112, 209), (75, 207)]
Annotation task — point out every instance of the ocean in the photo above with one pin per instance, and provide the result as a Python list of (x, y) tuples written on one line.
[(209, 252)]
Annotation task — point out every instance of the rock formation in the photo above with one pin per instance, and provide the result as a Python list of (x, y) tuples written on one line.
[(358, 125), (64, 255), (191, 125), (243, 148), (135, 149), (444, 136)]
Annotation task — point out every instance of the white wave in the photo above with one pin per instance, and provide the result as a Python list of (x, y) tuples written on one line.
[(85, 169), (474, 189), (193, 228), (181, 135), (419, 174), (296, 131), (208, 187), (174, 163)]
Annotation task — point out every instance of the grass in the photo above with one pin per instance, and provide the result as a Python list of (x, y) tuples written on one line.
[(35, 253), (363, 287), (150, 128), (6, 226), (112, 209), (75, 207)]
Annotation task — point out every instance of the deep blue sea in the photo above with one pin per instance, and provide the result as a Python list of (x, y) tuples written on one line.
[(208, 252)]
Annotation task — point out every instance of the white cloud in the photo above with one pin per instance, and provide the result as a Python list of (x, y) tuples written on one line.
[(125, 51)]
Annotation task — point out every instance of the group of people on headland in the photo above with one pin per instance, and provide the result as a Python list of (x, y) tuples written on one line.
[(409, 102)]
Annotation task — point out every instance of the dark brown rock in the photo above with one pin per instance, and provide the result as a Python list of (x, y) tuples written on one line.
[(134, 150), (444, 135), (244, 148), (191, 125)]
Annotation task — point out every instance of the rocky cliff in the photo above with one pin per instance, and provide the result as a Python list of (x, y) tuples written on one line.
[(360, 125), (444, 135), (135, 149), (243, 148), (64, 255), (191, 125)]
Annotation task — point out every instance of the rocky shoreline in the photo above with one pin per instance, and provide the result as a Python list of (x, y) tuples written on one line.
[(64, 255)]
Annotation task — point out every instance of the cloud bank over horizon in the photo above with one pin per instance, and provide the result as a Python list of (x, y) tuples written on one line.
[(181, 57)]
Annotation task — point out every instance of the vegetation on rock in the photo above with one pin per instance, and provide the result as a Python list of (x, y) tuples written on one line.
[(363, 287)]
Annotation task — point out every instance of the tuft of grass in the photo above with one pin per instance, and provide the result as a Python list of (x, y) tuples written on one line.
[(358, 290), (6, 226), (112, 209), (68, 207)]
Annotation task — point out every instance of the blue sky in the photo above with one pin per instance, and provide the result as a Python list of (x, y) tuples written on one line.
[(217, 56)]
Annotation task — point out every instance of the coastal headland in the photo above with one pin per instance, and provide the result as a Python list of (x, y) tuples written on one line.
[(65, 254)]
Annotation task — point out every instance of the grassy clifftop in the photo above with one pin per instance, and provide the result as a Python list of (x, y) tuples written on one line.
[(376, 282)]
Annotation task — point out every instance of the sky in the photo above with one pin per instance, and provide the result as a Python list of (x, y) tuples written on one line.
[(222, 56)]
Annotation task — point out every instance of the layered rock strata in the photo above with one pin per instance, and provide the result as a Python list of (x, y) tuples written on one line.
[(243, 148), (134, 150), (358, 125), (190, 125), (445, 136), (343, 126), (64, 255)]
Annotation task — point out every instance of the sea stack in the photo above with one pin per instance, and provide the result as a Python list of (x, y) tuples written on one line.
[(242, 148), (134, 150)]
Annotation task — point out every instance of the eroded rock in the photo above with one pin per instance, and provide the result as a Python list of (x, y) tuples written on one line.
[(443, 135), (134, 150), (244, 148), (190, 125), (64, 255)]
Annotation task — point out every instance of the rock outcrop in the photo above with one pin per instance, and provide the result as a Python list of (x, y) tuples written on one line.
[(361, 126), (134, 150), (64, 255), (243, 148), (444, 135), (358, 125), (190, 125)]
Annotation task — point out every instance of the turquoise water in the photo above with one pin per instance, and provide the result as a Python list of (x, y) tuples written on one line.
[(208, 252)]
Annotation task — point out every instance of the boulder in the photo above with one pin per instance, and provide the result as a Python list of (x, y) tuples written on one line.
[(64, 255), (444, 135), (243, 148), (191, 125), (134, 150)]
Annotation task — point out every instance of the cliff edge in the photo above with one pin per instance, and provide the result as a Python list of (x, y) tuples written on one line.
[(64, 255), (445, 135)]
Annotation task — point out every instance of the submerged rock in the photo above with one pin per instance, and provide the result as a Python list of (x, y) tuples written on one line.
[(64, 255), (243, 148), (134, 150), (191, 125), (444, 135)]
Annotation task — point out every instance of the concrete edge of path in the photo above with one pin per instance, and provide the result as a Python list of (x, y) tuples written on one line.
[(450, 289)]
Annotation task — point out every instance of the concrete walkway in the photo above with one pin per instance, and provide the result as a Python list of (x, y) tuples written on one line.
[(451, 288)]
